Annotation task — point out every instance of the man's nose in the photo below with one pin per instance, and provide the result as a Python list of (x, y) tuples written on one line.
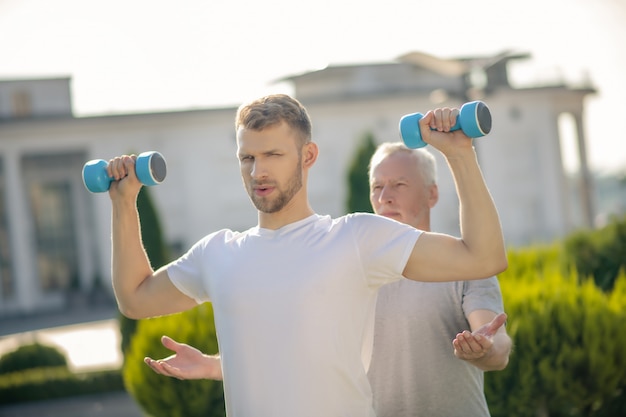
[(386, 195), (258, 170)]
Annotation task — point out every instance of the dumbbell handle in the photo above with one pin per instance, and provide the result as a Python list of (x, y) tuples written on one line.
[(150, 168), (474, 120)]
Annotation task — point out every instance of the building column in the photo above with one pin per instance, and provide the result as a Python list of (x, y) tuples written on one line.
[(586, 186), (20, 234)]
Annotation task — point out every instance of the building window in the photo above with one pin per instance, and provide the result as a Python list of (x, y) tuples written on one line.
[(49, 182), (7, 283), (54, 235)]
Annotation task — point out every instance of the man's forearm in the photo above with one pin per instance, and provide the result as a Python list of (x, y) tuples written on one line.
[(480, 224), (130, 264)]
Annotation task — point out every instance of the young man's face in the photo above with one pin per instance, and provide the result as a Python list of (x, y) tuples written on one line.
[(271, 166), (397, 191)]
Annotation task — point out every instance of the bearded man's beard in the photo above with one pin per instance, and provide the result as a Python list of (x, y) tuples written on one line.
[(277, 203)]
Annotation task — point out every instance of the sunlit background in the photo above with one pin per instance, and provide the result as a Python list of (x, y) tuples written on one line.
[(143, 55), (139, 56)]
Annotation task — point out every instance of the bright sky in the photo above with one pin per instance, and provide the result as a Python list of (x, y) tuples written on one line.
[(144, 55)]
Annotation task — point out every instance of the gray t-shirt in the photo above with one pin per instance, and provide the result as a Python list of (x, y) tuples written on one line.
[(413, 371)]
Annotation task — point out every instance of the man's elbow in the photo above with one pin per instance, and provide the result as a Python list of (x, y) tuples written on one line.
[(501, 265), (128, 311), (496, 263)]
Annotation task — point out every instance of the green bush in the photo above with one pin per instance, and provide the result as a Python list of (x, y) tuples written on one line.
[(616, 404), (569, 339), (529, 263), (162, 396), (599, 253), (31, 356)]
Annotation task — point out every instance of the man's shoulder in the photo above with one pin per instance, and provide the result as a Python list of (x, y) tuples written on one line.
[(371, 219), (373, 226), (359, 219), (362, 217), (222, 235)]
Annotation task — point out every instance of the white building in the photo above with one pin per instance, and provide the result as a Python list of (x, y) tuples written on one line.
[(55, 235)]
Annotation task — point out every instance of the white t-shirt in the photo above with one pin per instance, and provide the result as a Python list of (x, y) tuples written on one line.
[(294, 310)]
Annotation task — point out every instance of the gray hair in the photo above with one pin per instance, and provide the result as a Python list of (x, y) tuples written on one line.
[(424, 160)]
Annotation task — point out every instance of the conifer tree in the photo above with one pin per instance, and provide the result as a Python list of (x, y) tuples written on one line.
[(358, 178)]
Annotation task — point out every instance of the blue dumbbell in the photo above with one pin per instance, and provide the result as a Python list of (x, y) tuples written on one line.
[(150, 168), (474, 120)]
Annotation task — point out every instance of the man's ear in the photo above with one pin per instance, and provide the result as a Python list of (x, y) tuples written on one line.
[(309, 154), (433, 195)]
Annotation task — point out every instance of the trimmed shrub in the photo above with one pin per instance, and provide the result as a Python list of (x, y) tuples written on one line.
[(568, 343), (31, 356), (55, 382), (616, 405), (162, 396), (528, 264), (599, 253)]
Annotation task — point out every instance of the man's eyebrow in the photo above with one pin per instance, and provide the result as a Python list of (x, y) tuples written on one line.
[(265, 152)]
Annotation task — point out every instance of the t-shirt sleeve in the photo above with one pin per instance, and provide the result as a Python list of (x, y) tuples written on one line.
[(482, 294), (186, 273), (384, 247)]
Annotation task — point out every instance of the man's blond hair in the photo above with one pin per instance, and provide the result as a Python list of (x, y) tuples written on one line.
[(273, 109)]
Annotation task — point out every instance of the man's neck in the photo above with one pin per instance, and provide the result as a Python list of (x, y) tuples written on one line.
[(423, 225), (287, 215)]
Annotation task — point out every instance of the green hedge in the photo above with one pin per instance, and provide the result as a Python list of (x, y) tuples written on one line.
[(600, 253), (569, 338), (55, 382), (162, 396), (34, 355)]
